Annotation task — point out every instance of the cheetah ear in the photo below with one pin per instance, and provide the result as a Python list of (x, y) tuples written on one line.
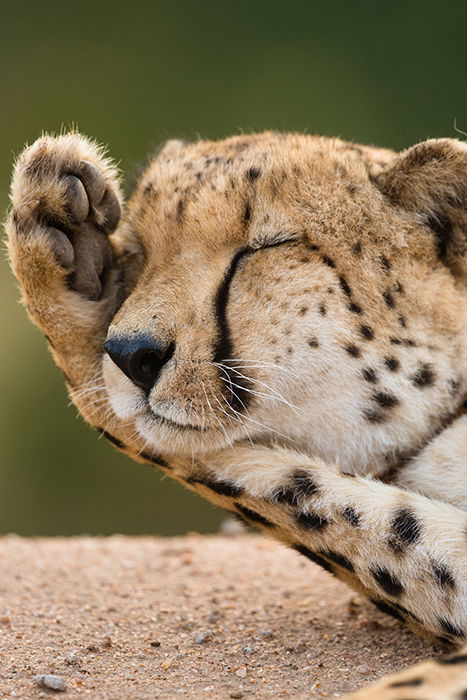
[(430, 179), (172, 147)]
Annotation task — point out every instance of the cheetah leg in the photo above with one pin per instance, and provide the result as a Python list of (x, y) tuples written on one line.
[(402, 550), (439, 471), (66, 203), (443, 679)]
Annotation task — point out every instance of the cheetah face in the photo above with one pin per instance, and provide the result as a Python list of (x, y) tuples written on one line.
[(269, 280)]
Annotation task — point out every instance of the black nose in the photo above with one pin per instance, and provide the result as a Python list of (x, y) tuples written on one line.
[(140, 357)]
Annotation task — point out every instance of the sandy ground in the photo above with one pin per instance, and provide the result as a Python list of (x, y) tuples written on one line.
[(195, 616)]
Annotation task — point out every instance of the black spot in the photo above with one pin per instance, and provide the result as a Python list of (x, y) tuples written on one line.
[(351, 515), (402, 321), (111, 438), (406, 530), (313, 343), (388, 582), (374, 416), (180, 209), (313, 557), (367, 332), (391, 363), (344, 286), (246, 216), (311, 521), (355, 308), (409, 343), (395, 341), (443, 576), (155, 459), (388, 609), (424, 376), (253, 174), (301, 485), (451, 628), (412, 683), (352, 350), (312, 247), (369, 375), (223, 488), (444, 641), (388, 299), (328, 261), (253, 516), (357, 248), (385, 400), (337, 558), (385, 264), (454, 386), (452, 660), (322, 309), (398, 288), (302, 311)]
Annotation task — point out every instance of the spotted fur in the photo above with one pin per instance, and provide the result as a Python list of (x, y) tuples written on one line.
[(287, 320)]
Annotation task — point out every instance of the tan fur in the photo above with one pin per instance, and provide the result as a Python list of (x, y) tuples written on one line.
[(344, 326)]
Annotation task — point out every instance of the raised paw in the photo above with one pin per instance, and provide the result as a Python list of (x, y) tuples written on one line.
[(66, 202)]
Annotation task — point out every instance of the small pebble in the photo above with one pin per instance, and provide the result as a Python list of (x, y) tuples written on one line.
[(201, 638), (155, 643), (363, 670), (265, 634), (241, 673), (249, 650), (51, 682), (5, 620), (237, 694), (72, 657), (107, 643)]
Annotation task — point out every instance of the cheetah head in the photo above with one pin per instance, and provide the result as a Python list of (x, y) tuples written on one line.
[(268, 274)]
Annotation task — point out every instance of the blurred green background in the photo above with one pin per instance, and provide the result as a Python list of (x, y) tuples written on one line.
[(134, 74)]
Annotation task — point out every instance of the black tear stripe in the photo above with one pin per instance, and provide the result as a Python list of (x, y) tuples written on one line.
[(237, 396)]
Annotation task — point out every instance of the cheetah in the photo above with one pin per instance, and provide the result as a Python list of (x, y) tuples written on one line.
[(278, 322)]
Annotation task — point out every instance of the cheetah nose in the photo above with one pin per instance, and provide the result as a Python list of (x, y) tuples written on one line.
[(139, 357)]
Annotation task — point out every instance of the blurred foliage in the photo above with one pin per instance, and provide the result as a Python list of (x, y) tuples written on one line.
[(135, 74)]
